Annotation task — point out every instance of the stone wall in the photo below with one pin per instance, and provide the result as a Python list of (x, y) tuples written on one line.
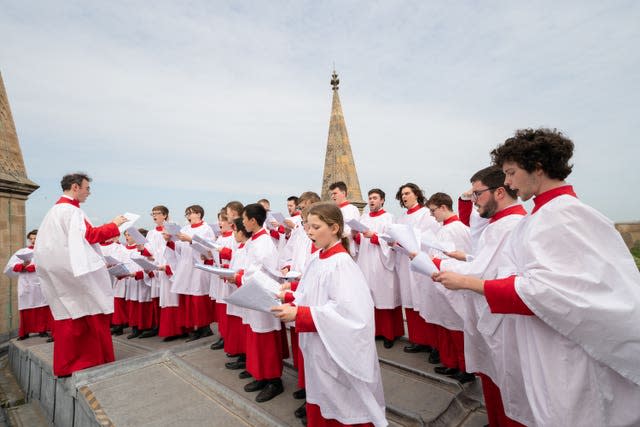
[(630, 232)]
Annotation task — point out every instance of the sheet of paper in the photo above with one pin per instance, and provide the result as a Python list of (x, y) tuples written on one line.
[(385, 237), (443, 246), (144, 263), (111, 260), (357, 226), (422, 263), (277, 275), (26, 257), (172, 228), (206, 242), (259, 292), (404, 235), (131, 219), (216, 229), (118, 270), (136, 236), (277, 217), (222, 272), (200, 248)]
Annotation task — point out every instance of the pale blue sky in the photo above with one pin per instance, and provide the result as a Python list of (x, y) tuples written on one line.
[(203, 102)]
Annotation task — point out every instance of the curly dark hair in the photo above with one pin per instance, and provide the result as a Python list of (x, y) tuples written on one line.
[(415, 190), (546, 149)]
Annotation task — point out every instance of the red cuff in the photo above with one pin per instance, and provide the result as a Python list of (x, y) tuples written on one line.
[(121, 277), (281, 229), (171, 245), (356, 238), (208, 262), (304, 320), (225, 253), (274, 234), (288, 297), (294, 285), (502, 297), (145, 252), (151, 274), (374, 239), (239, 278), (437, 262), (139, 275), (168, 271), (18, 268), (31, 268), (225, 266)]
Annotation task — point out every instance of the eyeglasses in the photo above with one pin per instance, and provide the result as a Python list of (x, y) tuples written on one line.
[(476, 194)]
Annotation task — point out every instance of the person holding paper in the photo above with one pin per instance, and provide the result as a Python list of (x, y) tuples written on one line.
[(132, 285), (35, 315), (434, 305), (422, 335), (265, 338), (219, 289), (484, 353), (190, 282), (112, 249), (571, 285), (339, 196), (335, 321), (75, 281), (377, 262)]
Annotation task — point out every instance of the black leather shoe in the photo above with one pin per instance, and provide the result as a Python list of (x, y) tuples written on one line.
[(235, 365), (149, 333), (301, 412), (118, 330), (233, 355), (417, 348), (135, 333), (244, 375), (43, 334), (24, 337), (205, 332), (434, 357), (50, 339), (272, 389), (463, 377), (256, 385), (303, 421), (300, 394), (195, 335), (218, 345), (443, 370), (388, 343)]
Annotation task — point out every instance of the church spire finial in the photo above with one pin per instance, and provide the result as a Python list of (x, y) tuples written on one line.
[(335, 81)]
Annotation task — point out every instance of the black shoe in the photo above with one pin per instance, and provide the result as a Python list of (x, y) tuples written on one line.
[(434, 357), (304, 421), (301, 412), (388, 343), (50, 339), (135, 333), (443, 370), (233, 355), (171, 338), (272, 389), (417, 348), (256, 385), (195, 335), (244, 375), (300, 394), (218, 345), (149, 333), (43, 334), (24, 337), (206, 331), (235, 365), (117, 330), (463, 377)]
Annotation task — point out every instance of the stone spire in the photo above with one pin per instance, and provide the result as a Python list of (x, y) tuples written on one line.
[(338, 161), (13, 175)]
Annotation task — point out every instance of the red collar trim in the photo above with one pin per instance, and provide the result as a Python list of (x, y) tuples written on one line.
[(241, 245), (542, 199), (197, 224), (30, 247), (296, 213), (73, 202), (131, 246), (159, 228), (262, 232), (335, 249), (343, 204), (416, 208), (314, 248), (227, 233), (511, 210), (451, 219), (374, 214)]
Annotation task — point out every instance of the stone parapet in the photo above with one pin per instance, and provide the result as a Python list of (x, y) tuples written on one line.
[(630, 232)]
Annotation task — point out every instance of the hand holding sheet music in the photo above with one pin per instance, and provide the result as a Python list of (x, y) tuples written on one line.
[(259, 292), (357, 226)]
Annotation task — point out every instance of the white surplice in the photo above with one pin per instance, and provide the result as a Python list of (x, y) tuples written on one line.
[(187, 279), (75, 281), (29, 291), (161, 283), (579, 353), (350, 212), (218, 288), (377, 262), (340, 361)]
